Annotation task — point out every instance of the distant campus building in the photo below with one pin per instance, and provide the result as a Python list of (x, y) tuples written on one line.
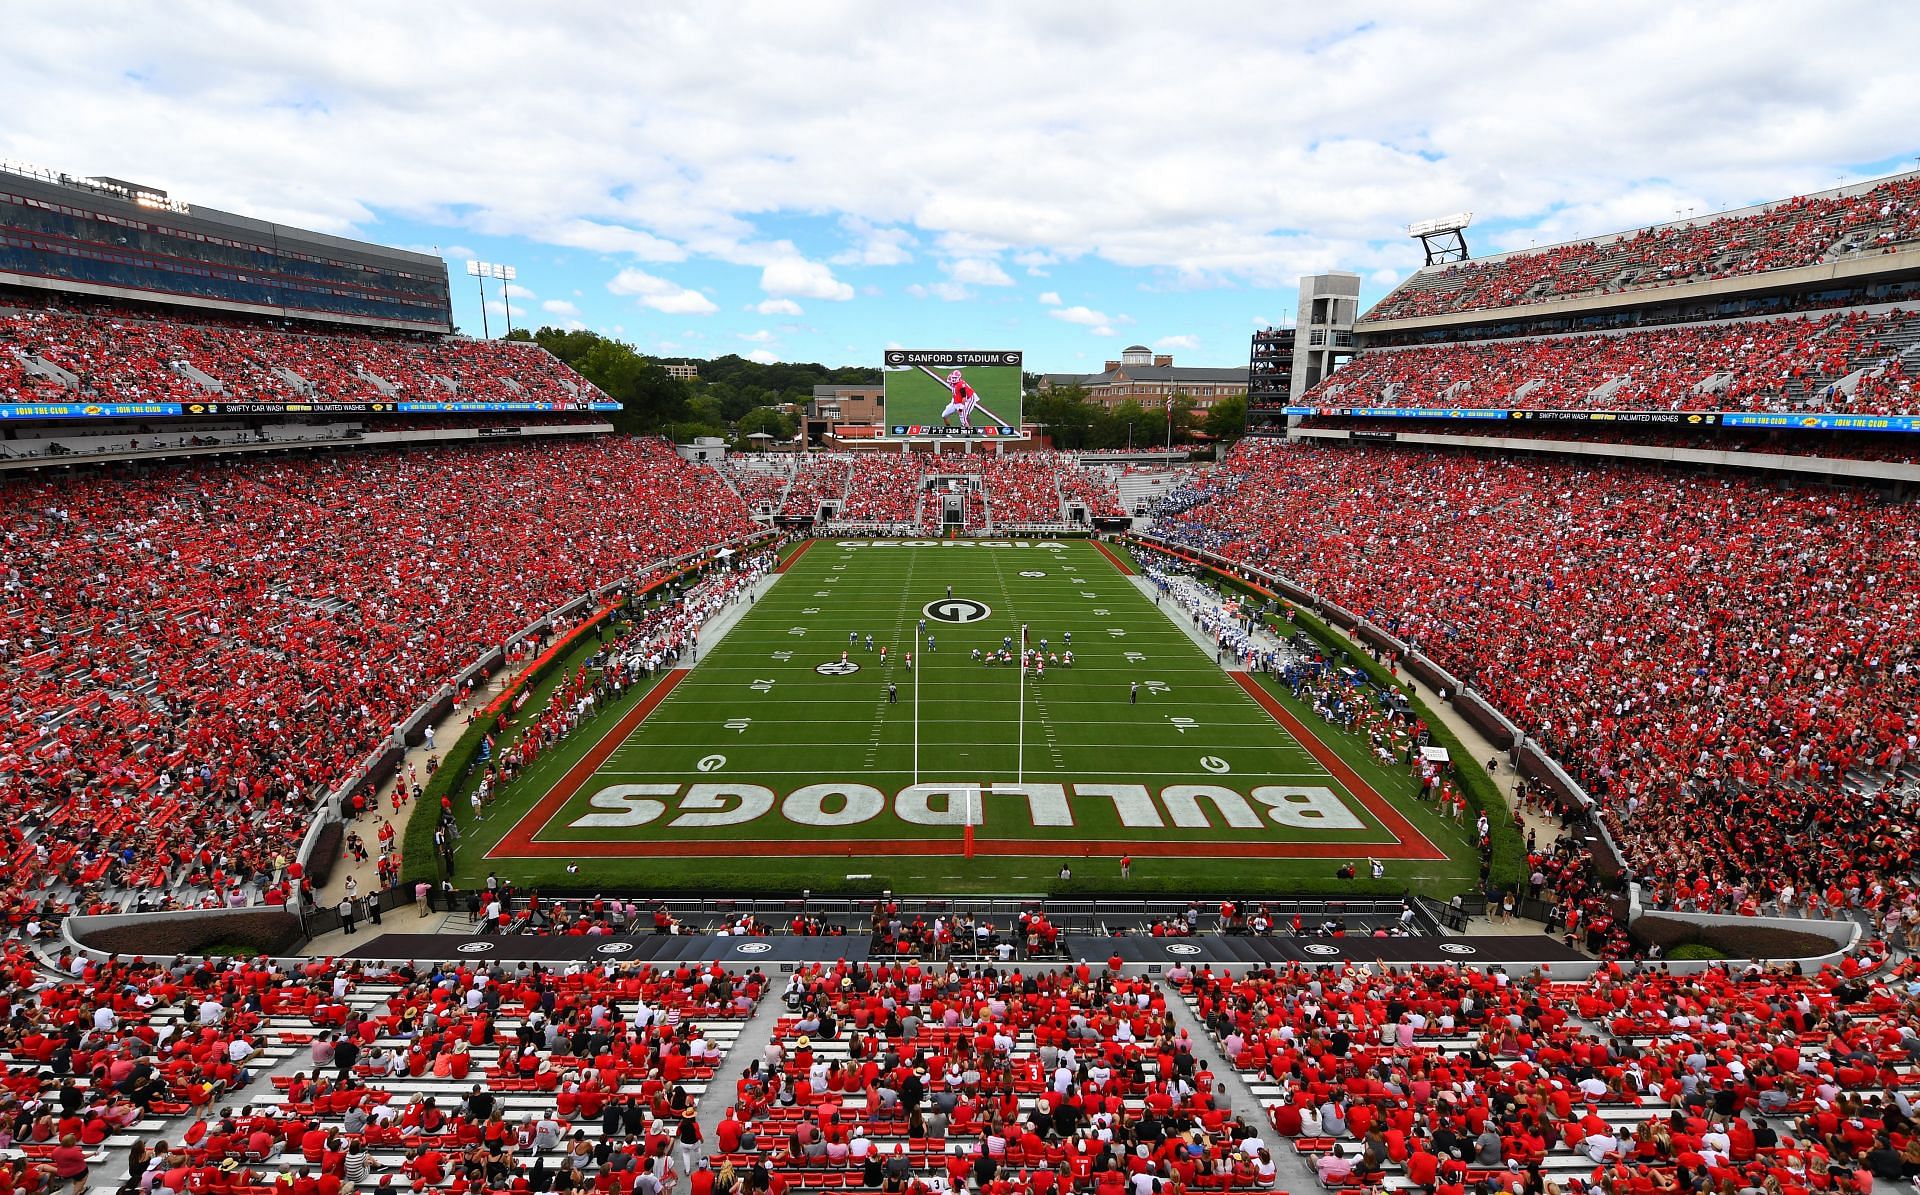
[(1146, 377)]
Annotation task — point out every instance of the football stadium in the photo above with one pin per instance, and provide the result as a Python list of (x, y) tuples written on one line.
[(470, 732)]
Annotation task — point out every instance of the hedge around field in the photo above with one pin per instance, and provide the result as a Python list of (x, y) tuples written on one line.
[(326, 852), (162, 935), (419, 861), (1731, 940), (1690, 952), (1508, 866)]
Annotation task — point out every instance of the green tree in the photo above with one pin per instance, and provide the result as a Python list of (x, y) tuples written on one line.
[(1227, 421), (728, 389), (1065, 414), (1183, 419), (778, 424), (1128, 423)]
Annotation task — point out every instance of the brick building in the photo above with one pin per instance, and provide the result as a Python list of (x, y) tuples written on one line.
[(1148, 378)]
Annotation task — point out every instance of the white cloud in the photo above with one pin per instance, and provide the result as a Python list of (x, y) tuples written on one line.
[(660, 294), (763, 357), (978, 271), (1177, 342), (336, 116), (952, 292), (807, 279), (1050, 298), (760, 337), (875, 246), (1101, 330), (1034, 261), (450, 252), (560, 307), (1085, 316), (612, 238), (779, 307), (516, 291)]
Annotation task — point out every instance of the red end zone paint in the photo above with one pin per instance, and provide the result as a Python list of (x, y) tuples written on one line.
[(878, 848), (802, 550), (1411, 839), (519, 840), (1125, 568)]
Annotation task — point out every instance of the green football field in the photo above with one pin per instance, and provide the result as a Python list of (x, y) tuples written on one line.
[(772, 764)]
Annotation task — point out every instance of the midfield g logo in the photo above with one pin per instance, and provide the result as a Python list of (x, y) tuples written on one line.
[(956, 610), (837, 668)]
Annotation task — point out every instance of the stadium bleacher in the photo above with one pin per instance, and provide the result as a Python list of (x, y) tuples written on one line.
[(885, 492), (1848, 362), (334, 594), (118, 357), (191, 656), (1663, 634), (1804, 230)]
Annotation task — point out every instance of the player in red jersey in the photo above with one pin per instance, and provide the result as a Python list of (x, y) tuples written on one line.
[(963, 400)]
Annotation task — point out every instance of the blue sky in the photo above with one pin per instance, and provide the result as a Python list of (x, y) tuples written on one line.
[(818, 181)]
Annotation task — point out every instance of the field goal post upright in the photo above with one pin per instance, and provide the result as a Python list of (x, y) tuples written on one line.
[(1444, 239)]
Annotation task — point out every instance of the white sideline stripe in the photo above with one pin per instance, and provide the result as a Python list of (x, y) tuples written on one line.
[(843, 747), (923, 721), (1077, 774)]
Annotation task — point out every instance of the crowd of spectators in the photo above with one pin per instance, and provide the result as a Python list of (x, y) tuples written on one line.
[(917, 1078), (1827, 445), (1801, 231), (191, 656), (1727, 664), (760, 479), (906, 1078), (884, 490), (410, 1070), (117, 357), (820, 477), (1792, 363), (1442, 1079), (650, 638)]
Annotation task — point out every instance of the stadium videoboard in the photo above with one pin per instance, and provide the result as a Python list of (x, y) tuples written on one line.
[(953, 392)]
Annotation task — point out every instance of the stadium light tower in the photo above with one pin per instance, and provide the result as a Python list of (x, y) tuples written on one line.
[(483, 270), (1444, 239)]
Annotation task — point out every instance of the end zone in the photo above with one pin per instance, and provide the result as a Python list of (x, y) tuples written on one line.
[(518, 842), (1412, 841)]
